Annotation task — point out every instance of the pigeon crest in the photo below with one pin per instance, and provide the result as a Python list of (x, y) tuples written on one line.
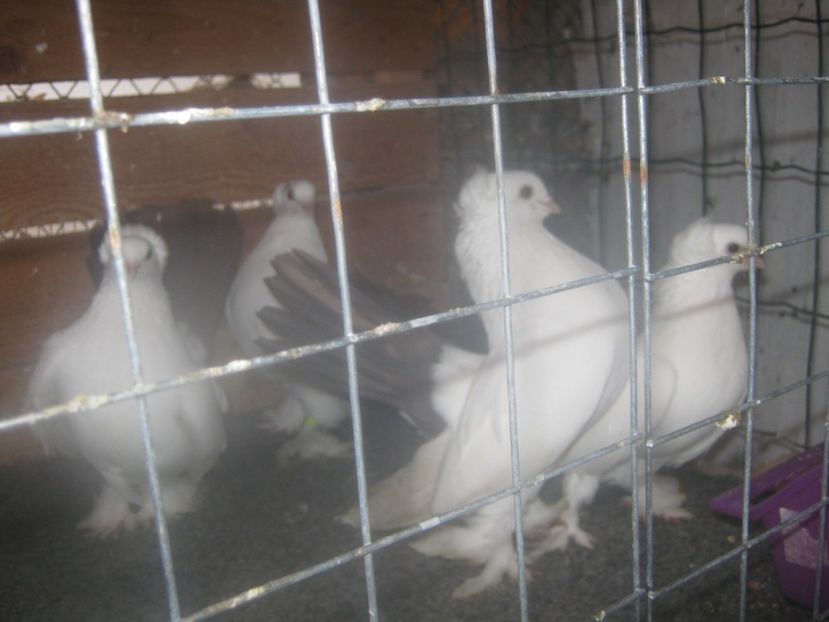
[(138, 244), (90, 357)]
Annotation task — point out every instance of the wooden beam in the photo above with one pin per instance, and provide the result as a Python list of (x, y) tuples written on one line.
[(54, 178), (39, 39)]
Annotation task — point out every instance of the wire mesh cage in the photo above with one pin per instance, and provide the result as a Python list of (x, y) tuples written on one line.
[(719, 109)]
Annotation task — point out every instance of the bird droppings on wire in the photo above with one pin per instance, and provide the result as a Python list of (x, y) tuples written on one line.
[(730, 421), (372, 105), (111, 118)]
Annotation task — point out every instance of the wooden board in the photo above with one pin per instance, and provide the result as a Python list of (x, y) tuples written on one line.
[(46, 286), (54, 178), (39, 39)]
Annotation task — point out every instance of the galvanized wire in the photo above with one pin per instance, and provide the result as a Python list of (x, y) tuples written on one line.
[(752, 295), (817, 264), (114, 232), (109, 195), (101, 120), (509, 358), (647, 297), (633, 371), (122, 120), (345, 302)]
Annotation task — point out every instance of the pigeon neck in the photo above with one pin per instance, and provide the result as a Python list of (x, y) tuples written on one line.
[(699, 289)]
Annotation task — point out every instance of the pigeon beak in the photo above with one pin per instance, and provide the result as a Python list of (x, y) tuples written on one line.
[(552, 206), (132, 268)]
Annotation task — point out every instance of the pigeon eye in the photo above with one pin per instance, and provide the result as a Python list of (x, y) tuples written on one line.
[(290, 193), (525, 192), (149, 254), (732, 248)]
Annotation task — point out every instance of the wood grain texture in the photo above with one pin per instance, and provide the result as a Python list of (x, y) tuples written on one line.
[(191, 37), (54, 178), (46, 287)]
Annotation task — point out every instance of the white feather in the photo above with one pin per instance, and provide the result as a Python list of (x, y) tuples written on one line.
[(90, 357), (699, 367), (570, 352), (293, 228)]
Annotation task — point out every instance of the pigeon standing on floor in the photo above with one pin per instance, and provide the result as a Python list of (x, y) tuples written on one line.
[(308, 413), (90, 357), (570, 363), (570, 350), (699, 369)]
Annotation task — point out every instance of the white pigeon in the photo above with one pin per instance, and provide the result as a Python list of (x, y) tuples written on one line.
[(304, 411), (570, 362), (699, 369), (570, 352), (90, 357)]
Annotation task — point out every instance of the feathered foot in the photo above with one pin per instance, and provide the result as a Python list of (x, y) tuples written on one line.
[(110, 514), (502, 562), (177, 498), (557, 526), (287, 418), (403, 498), (561, 520), (486, 539), (312, 442), (667, 500)]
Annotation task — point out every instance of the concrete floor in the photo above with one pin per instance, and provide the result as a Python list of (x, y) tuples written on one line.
[(260, 520)]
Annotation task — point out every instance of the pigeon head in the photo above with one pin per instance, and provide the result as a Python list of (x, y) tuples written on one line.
[(526, 197), (292, 193), (704, 240), (144, 251)]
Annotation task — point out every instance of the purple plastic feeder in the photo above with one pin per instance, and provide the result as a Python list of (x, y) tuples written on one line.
[(777, 495)]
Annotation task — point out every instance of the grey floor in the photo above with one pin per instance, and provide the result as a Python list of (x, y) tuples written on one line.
[(260, 520)]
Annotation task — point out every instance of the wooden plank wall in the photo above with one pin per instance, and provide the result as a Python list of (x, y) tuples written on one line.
[(388, 162)]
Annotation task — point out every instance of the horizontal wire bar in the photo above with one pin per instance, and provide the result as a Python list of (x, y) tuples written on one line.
[(83, 403), (756, 252), (124, 121), (619, 604), (115, 120), (751, 543), (661, 440)]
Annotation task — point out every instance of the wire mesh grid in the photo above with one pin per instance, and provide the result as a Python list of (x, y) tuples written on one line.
[(632, 97)]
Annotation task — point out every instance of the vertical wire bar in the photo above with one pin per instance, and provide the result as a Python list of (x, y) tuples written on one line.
[(636, 553), (752, 316), (114, 231), (702, 111), (603, 166), (345, 297), (816, 269), (758, 122), (642, 107), (518, 505), (821, 540)]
